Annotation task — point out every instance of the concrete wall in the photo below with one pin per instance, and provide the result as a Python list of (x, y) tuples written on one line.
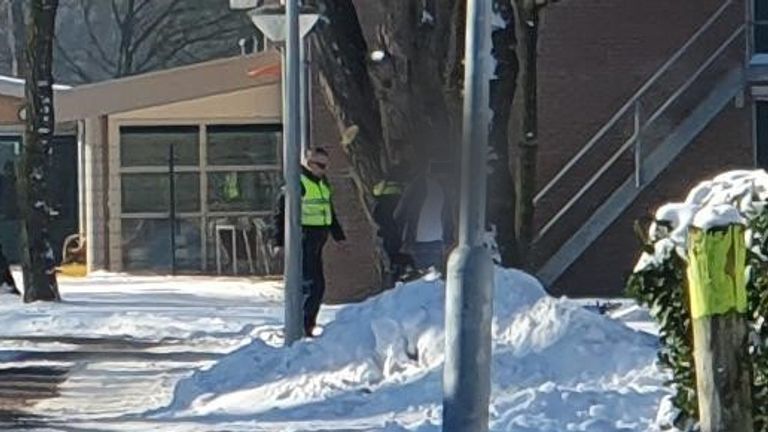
[(256, 105)]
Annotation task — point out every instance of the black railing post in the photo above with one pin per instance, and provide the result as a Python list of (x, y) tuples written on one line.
[(172, 213)]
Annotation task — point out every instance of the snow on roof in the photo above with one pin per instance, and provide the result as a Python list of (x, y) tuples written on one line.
[(14, 87)]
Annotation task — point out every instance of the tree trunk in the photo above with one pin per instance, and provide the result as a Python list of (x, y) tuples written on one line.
[(527, 122), (394, 100), (501, 184), (35, 204), (409, 95), (341, 53)]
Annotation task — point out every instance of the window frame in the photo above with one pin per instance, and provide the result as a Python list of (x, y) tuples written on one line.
[(203, 169)]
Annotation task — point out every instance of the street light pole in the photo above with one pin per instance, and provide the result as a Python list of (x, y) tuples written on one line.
[(470, 278), (294, 321), (305, 109), (287, 26)]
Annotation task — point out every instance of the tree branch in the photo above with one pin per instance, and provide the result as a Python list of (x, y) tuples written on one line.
[(86, 8), (71, 63)]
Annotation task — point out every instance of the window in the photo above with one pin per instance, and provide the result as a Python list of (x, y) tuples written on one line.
[(10, 146), (761, 27), (150, 145), (243, 145), (242, 191), (761, 119), (230, 177), (147, 245), (151, 193)]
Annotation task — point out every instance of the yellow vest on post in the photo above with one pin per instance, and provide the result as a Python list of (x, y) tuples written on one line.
[(316, 203)]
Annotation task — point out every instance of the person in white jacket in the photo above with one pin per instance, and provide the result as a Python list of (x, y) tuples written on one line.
[(426, 216)]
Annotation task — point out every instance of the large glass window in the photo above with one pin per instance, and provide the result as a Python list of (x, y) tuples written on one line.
[(242, 191), (147, 245), (243, 145), (150, 145), (151, 192), (227, 180)]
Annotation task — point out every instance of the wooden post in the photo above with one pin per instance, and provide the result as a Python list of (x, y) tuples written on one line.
[(716, 276)]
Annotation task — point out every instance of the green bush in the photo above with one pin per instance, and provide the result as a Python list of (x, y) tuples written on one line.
[(661, 286)]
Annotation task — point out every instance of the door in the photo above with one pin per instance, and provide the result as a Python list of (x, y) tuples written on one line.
[(761, 26), (10, 147)]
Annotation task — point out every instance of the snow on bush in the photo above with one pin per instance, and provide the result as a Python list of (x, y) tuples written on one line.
[(378, 366), (659, 281)]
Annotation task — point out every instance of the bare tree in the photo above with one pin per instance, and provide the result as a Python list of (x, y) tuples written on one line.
[(408, 94), (115, 38), (37, 255), (526, 121), (12, 37)]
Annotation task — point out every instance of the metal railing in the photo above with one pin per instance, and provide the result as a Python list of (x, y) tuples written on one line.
[(634, 106)]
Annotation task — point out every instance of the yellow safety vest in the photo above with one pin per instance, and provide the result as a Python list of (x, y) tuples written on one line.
[(316, 203), (231, 187), (385, 187)]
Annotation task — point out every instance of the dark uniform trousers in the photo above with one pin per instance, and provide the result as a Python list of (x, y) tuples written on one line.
[(313, 275)]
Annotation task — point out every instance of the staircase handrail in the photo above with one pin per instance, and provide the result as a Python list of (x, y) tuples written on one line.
[(630, 104)]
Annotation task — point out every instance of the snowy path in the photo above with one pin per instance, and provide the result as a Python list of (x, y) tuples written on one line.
[(117, 346)]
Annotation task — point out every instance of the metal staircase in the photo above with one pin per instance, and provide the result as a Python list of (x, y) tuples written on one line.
[(641, 139)]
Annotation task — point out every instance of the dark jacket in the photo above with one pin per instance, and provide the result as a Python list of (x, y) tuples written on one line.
[(336, 231), (409, 210), (389, 231)]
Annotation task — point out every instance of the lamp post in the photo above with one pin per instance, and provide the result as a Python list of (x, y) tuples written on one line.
[(470, 279), (285, 25)]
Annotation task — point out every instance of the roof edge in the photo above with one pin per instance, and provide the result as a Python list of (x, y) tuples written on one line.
[(165, 87)]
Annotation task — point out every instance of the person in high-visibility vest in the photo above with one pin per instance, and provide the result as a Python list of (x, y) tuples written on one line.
[(387, 195), (318, 221)]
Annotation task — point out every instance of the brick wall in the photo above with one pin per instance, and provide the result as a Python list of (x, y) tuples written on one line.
[(594, 55), (724, 145), (349, 270)]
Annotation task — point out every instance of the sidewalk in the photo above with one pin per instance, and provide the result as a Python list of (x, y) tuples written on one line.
[(117, 345)]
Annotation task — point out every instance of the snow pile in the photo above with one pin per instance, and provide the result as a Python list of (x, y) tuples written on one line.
[(730, 198), (145, 307), (378, 366)]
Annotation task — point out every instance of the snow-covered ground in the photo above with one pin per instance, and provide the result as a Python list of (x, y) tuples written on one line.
[(146, 307), (117, 345), (203, 354)]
